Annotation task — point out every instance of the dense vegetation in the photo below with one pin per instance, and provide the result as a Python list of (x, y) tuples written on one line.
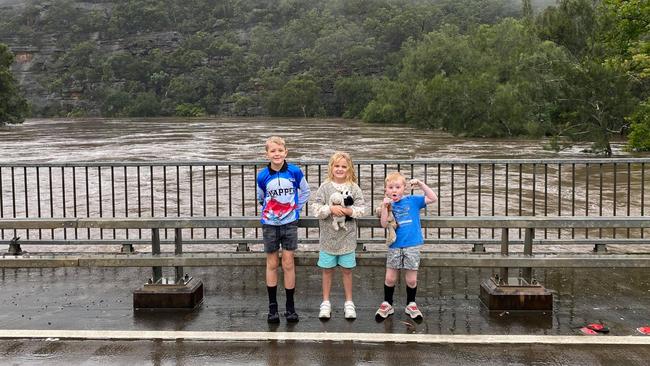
[(13, 107), (578, 70)]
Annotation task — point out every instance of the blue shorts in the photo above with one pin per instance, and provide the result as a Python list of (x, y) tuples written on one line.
[(326, 260)]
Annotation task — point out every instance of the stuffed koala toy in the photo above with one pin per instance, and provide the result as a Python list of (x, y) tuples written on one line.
[(391, 236), (338, 222)]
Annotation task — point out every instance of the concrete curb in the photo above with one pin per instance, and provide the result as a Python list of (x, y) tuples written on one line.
[(116, 335)]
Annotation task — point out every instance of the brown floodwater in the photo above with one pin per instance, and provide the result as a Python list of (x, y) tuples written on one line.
[(99, 140)]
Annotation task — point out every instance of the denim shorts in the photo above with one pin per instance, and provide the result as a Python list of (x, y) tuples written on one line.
[(326, 260), (280, 235), (403, 258)]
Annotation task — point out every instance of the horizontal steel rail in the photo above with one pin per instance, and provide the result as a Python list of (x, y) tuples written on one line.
[(510, 222), (376, 258), (314, 241), (428, 259)]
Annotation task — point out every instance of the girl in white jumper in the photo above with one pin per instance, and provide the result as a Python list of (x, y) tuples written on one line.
[(338, 244)]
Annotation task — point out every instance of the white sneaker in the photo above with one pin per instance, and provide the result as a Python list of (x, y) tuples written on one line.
[(413, 311), (385, 309), (325, 310), (349, 310)]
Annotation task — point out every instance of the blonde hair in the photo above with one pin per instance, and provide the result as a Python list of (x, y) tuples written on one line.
[(395, 176), (351, 177), (274, 140)]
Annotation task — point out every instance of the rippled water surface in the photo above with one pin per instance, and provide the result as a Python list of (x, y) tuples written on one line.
[(66, 140)]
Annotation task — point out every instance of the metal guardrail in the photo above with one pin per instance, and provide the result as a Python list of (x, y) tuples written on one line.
[(466, 187), (504, 259)]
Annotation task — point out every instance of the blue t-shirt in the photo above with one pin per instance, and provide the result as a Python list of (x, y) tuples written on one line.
[(407, 216)]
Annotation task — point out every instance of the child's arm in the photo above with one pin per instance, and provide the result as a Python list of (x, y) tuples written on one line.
[(429, 195), (260, 194), (303, 192), (383, 220), (319, 207)]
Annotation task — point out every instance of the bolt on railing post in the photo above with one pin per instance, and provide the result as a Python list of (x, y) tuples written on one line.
[(155, 250), (503, 274), (527, 273), (178, 250)]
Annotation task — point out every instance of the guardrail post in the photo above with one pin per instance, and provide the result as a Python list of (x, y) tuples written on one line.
[(503, 274), (155, 250), (14, 247), (527, 273), (178, 250), (600, 248), (127, 248)]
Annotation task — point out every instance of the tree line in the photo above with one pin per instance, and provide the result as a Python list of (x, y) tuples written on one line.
[(577, 70)]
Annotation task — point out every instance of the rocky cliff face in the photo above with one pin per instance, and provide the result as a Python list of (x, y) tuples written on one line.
[(36, 56)]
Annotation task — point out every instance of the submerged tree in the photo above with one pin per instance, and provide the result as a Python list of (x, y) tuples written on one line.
[(13, 107)]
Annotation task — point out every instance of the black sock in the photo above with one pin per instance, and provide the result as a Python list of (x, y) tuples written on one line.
[(273, 301), (290, 306), (388, 293), (410, 294)]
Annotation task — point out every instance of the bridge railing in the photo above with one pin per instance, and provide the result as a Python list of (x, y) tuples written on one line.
[(505, 258), (466, 187)]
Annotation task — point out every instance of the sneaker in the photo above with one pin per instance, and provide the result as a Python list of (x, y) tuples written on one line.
[(385, 309), (349, 310), (291, 316), (413, 311), (273, 318), (325, 310)]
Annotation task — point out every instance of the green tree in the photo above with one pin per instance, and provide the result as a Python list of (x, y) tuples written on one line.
[(144, 105), (13, 107), (639, 138), (597, 98), (353, 95), (627, 33), (499, 80), (572, 24), (299, 97)]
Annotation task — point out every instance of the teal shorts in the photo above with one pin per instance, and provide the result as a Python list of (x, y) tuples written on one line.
[(326, 260)]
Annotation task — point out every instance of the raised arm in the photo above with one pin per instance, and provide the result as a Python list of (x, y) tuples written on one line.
[(429, 195)]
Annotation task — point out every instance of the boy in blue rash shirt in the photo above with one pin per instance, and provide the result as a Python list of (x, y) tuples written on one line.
[(282, 191), (404, 253)]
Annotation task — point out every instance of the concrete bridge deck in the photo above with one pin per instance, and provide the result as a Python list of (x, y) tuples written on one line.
[(457, 329)]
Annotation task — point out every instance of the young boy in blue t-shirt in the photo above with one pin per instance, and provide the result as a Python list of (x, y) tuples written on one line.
[(281, 191), (404, 253)]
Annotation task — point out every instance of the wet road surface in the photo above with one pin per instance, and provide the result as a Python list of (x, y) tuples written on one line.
[(235, 301)]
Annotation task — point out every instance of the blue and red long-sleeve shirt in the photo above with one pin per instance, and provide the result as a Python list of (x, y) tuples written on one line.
[(281, 193)]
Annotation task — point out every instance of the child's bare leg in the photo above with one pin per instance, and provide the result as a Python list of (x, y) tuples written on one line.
[(328, 273), (347, 283), (411, 278), (288, 269), (391, 277), (272, 262)]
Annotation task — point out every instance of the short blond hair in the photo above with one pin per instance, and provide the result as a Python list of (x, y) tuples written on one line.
[(274, 140), (393, 177), (351, 177)]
